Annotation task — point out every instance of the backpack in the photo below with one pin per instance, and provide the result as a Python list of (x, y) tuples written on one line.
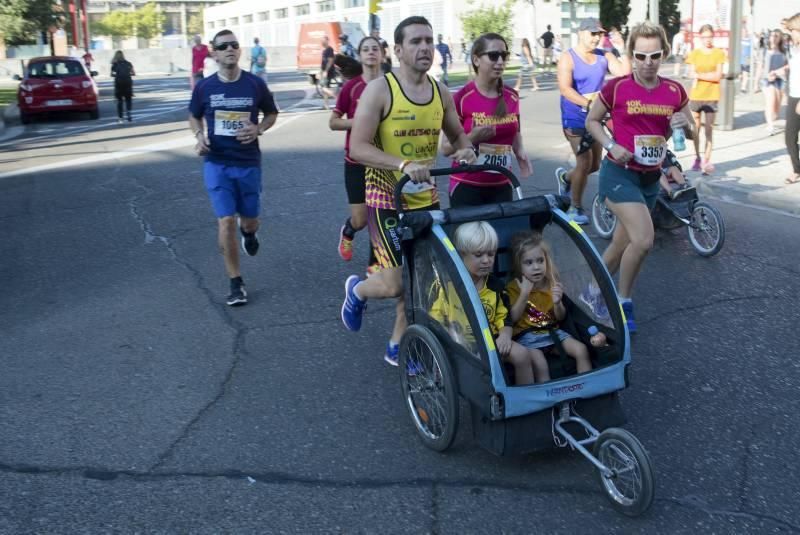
[(122, 70)]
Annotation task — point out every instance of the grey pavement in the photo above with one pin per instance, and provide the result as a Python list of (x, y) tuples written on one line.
[(751, 164)]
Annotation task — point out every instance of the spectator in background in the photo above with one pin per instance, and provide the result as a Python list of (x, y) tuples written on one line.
[(199, 55), (345, 48), (326, 72), (87, 60), (528, 67), (679, 47), (747, 52), (123, 73), (446, 57), (546, 42), (258, 60), (793, 104), (771, 73)]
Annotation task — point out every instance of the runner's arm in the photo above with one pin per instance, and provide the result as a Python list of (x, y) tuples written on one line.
[(451, 126), (595, 128), (565, 82), (688, 128), (337, 122), (267, 122), (618, 66)]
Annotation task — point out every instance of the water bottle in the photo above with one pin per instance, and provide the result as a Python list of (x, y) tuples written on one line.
[(596, 338), (678, 139)]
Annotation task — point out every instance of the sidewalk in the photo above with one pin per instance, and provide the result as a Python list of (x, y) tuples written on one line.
[(750, 164)]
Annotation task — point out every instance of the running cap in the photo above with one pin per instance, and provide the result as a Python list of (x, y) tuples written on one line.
[(590, 25)]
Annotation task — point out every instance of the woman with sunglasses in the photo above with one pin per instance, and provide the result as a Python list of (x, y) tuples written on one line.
[(370, 53), (705, 66), (581, 74), (644, 108), (489, 113)]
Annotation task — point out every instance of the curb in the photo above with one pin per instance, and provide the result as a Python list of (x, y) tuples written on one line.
[(776, 200)]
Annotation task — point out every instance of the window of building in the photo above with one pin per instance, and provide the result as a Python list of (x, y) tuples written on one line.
[(233, 21), (301, 10), (354, 3), (211, 24), (326, 5), (221, 23), (282, 13), (264, 15), (247, 19)]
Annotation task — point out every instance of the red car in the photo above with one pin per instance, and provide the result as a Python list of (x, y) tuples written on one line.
[(56, 83)]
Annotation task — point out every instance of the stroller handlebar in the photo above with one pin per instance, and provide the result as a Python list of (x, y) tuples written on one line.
[(405, 179)]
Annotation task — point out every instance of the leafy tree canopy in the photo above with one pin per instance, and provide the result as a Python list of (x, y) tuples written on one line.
[(494, 19)]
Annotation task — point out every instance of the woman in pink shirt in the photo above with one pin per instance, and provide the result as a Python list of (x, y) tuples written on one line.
[(489, 113), (370, 54), (644, 109)]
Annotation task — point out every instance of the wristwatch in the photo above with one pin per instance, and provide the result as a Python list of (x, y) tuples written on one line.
[(610, 145)]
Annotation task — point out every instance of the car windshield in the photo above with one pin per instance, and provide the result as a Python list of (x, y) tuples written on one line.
[(55, 69)]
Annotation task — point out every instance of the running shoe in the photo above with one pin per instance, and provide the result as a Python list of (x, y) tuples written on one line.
[(353, 307), (627, 308), (708, 168), (238, 295), (249, 241), (594, 300), (392, 354), (561, 180), (345, 245), (577, 214), (696, 164)]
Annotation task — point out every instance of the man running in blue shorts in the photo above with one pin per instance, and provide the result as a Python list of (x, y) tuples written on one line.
[(229, 102)]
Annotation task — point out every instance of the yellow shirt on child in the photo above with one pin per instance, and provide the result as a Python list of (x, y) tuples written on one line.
[(539, 312), (704, 63)]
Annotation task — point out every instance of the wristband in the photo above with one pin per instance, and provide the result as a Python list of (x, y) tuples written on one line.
[(610, 145), (403, 165)]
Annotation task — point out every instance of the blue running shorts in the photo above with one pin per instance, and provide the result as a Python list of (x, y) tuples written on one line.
[(625, 185), (233, 190)]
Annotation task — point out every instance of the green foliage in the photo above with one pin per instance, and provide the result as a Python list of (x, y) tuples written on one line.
[(489, 19), (22, 20), (149, 21), (146, 22), (669, 16), (614, 13), (194, 26)]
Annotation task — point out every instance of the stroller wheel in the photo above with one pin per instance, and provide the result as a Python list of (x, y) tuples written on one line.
[(706, 229), (429, 387), (630, 486), (603, 220)]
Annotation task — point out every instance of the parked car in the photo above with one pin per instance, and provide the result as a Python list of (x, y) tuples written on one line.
[(54, 84)]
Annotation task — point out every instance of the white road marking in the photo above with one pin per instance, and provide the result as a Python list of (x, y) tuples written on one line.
[(172, 144)]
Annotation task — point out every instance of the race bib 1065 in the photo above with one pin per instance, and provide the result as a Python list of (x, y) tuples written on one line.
[(229, 123)]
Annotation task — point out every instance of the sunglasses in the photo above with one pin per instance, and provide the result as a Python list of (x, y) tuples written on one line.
[(224, 46), (494, 55), (595, 34), (653, 56)]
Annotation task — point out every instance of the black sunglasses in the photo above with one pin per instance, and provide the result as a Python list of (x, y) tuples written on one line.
[(494, 55), (224, 46)]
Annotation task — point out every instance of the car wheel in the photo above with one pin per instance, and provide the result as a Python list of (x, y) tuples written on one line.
[(94, 114), (24, 118)]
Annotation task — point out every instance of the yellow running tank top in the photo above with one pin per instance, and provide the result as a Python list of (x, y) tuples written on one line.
[(409, 131)]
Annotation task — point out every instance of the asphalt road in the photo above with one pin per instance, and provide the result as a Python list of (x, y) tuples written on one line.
[(133, 400)]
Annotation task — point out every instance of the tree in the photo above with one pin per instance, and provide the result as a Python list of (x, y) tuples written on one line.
[(119, 24), (195, 24), (489, 19), (614, 13), (22, 21), (669, 16), (149, 21)]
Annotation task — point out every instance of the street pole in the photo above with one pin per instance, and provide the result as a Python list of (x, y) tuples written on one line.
[(654, 11), (730, 79)]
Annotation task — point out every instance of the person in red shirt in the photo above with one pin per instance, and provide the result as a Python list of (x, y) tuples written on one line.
[(199, 55), (87, 60), (370, 52), (645, 109)]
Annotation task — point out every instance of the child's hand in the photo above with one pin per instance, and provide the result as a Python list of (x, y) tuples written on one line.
[(558, 293), (504, 344), (525, 286)]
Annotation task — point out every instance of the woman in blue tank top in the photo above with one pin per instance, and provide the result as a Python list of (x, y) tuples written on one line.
[(581, 74)]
